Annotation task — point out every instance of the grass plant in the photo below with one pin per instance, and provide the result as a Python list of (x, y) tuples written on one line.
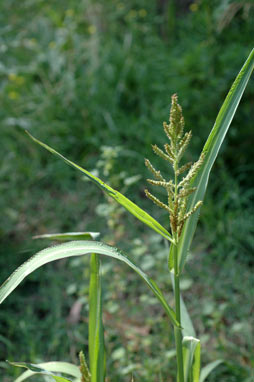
[(185, 194)]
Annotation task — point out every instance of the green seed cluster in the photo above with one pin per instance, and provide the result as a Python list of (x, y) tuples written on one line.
[(85, 374), (178, 190)]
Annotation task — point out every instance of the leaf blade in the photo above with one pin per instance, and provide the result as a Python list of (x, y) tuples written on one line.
[(35, 369), (68, 236), (117, 196), (79, 248), (206, 370), (191, 358), (55, 366), (186, 322), (211, 149)]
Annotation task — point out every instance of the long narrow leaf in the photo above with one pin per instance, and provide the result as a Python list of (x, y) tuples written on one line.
[(96, 332), (79, 248), (211, 150), (120, 198), (35, 369), (66, 236), (206, 370), (186, 322), (191, 357), (196, 363), (57, 367)]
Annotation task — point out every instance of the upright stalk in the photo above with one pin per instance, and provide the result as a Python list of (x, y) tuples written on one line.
[(178, 331), (178, 191)]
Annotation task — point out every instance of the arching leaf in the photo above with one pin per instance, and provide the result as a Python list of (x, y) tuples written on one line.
[(211, 150), (36, 369), (119, 198), (67, 236), (56, 367), (79, 248)]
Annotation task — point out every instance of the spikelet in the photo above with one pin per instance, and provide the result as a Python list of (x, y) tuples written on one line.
[(170, 203), (176, 118), (187, 136), (180, 228), (194, 209), (186, 192), (157, 201), (184, 168), (182, 209), (193, 171), (173, 224), (170, 188), (85, 374), (167, 131), (184, 144), (169, 151), (158, 183), (157, 174), (161, 153), (174, 217)]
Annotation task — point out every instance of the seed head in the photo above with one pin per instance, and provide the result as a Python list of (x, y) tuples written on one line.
[(85, 373), (176, 118), (179, 190)]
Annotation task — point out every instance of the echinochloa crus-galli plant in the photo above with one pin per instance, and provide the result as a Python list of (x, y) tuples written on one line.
[(178, 191), (185, 193)]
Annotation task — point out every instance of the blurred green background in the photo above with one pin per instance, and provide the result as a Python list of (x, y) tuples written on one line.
[(94, 79)]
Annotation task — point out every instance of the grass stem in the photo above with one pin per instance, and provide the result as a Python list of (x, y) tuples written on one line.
[(178, 331)]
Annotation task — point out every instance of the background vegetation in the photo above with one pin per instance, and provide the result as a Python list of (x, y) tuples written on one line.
[(94, 79)]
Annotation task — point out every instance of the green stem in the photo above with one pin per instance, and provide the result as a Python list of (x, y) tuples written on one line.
[(96, 332), (178, 331)]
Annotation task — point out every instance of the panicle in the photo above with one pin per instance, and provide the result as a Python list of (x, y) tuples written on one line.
[(179, 190)]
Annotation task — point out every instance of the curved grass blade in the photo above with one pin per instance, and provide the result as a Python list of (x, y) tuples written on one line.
[(211, 150), (206, 370), (57, 367), (186, 322), (69, 236), (35, 369), (196, 363), (97, 359), (79, 248), (117, 196), (191, 359)]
